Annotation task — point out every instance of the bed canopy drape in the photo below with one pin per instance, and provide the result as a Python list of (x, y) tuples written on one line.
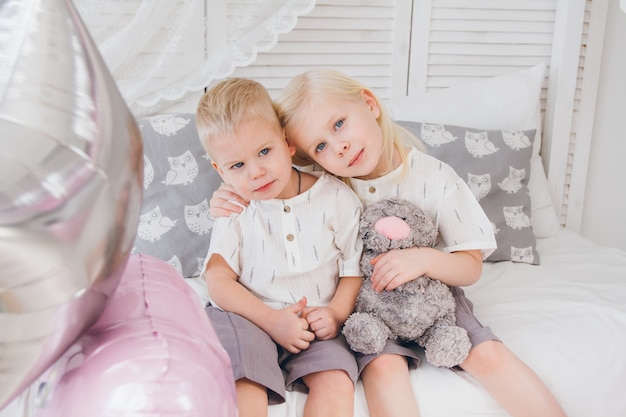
[(160, 51)]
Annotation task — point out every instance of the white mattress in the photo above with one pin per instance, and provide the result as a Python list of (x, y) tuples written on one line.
[(565, 318)]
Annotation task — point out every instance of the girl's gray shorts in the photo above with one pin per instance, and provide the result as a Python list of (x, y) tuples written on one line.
[(465, 318), (255, 356)]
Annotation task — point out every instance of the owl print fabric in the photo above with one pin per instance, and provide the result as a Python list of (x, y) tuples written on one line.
[(496, 166), (174, 224)]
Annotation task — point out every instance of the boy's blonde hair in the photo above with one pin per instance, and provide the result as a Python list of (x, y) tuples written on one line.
[(228, 104), (318, 85)]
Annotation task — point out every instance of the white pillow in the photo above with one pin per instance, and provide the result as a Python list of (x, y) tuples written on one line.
[(510, 101)]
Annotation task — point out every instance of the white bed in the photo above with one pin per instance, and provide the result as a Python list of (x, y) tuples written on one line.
[(566, 316)]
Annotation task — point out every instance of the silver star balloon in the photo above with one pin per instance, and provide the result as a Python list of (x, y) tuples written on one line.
[(70, 186)]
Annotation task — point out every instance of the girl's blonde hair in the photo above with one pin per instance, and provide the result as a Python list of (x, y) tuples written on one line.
[(317, 85), (228, 104)]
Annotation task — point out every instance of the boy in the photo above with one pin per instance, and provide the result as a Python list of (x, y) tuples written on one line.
[(283, 275)]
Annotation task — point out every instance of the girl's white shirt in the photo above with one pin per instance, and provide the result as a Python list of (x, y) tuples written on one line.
[(439, 191), (285, 249)]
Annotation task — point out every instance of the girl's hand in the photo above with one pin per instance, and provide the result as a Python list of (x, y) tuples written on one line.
[(289, 328), (225, 201), (396, 267), (322, 322)]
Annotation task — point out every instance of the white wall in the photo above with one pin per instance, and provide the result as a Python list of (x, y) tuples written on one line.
[(604, 212)]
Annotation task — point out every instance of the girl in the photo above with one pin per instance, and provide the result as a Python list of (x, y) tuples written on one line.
[(339, 124)]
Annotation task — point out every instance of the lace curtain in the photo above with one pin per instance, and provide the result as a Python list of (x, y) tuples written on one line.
[(160, 51)]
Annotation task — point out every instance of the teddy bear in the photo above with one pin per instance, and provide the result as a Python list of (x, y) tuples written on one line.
[(421, 310)]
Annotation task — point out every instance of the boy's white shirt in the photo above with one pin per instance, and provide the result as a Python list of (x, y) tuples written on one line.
[(279, 270), (440, 192)]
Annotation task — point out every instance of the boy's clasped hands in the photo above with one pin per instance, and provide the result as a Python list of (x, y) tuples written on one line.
[(295, 326)]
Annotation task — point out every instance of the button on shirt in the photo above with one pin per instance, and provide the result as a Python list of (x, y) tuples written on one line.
[(285, 249)]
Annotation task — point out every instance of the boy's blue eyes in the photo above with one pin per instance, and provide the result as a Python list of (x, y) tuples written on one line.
[(338, 124), (262, 152), (320, 147)]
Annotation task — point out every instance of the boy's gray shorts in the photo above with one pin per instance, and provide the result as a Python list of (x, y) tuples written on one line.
[(255, 356), (465, 318)]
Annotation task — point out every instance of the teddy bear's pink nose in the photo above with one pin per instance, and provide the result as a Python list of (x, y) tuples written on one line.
[(392, 227)]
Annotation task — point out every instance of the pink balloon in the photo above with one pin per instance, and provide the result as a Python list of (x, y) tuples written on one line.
[(153, 352)]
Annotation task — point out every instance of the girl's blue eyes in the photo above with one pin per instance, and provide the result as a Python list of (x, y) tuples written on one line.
[(264, 151), (337, 126)]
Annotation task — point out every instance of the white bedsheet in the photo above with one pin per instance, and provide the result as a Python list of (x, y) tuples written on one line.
[(565, 318)]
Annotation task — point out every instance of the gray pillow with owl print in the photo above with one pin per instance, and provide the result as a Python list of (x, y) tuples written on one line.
[(178, 183), (496, 166)]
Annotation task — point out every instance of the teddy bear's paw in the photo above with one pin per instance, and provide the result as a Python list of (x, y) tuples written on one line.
[(448, 346), (365, 333)]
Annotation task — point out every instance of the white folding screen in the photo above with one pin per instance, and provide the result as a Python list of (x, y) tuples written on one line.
[(583, 111), (411, 47)]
